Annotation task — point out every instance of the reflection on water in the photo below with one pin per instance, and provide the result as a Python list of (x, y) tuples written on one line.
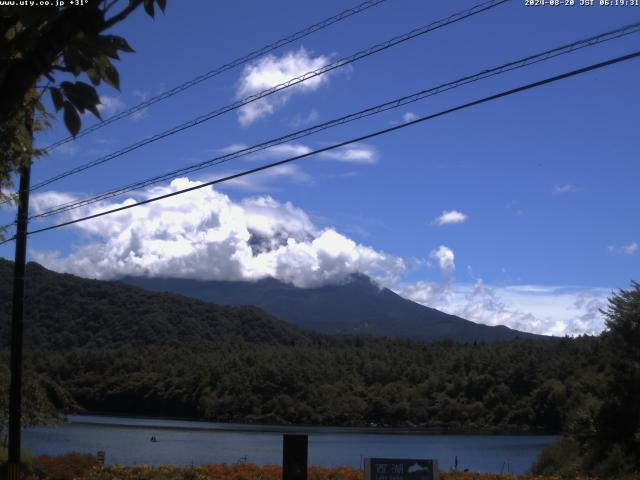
[(127, 441)]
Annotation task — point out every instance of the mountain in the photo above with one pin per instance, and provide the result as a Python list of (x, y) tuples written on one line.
[(64, 311), (358, 306)]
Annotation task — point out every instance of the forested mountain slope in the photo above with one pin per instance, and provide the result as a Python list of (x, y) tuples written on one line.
[(357, 306), (64, 311)]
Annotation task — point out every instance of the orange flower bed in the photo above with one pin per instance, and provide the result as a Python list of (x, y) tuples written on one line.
[(63, 467), (76, 466)]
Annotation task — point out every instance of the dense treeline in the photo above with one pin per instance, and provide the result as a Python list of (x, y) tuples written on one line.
[(602, 436), (43, 400), (521, 385)]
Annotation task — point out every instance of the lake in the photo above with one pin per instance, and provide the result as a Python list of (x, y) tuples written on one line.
[(126, 441)]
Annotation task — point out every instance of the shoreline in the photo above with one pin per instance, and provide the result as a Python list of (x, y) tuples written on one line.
[(174, 423)]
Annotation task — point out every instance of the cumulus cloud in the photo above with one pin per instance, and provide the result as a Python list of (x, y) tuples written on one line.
[(270, 71), (484, 305), (450, 217), (629, 249), (446, 261), (206, 235), (547, 310), (565, 188), (110, 105), (41, 201), (437, 295)]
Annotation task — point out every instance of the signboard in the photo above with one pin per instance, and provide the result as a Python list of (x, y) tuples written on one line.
[(294, 457), (400, 469)]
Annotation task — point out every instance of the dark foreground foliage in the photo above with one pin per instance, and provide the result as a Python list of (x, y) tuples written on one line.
[(602, 437)]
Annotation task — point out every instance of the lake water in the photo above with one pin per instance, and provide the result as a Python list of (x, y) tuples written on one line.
[(126, 441)]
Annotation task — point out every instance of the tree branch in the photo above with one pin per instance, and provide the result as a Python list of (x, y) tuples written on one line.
[(123, 14), (108, 6)]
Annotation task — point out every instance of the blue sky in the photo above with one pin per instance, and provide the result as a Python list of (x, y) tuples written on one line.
[(534, 192)]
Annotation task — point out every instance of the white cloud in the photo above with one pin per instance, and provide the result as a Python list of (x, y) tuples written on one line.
[(42, 201), (141, 96), (565, 188), (263, 181), (446, 260), (69, 149), (629, 249), (283, 151), (206, 235), (110, 105), (409, 117), (271, 71), (450, 217), (359, 153), (300, 121), (234, 147), (547, 310)]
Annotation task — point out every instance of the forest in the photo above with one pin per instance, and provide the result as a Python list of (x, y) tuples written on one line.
[(512, 386)]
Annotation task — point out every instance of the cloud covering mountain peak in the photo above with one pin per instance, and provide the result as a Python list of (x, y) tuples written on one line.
[(206, 235)]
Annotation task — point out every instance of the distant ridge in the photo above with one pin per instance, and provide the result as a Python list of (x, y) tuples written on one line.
[(63, 311), (357, 306)]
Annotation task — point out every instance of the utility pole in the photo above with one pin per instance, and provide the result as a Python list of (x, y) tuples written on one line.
[(15, 390)]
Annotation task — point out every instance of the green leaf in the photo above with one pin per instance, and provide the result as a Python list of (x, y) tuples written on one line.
[(82, 95), (10, 34), (94, 109), (112, 77), (162, 4), (105, 45), (56, 98), (71, 118), (148, 7), (87, 92), (120, 43), (94, 76), (75, 60), (40, 108)]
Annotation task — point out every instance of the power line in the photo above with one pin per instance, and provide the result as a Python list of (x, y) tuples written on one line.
[(396, 103), (289, 83), (219, 70), (505, 93)]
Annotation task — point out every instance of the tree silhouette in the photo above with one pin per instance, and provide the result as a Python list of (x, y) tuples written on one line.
[(39, 47)]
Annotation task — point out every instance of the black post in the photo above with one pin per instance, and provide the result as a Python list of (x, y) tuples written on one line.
[(294, 457), (15, 390)]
